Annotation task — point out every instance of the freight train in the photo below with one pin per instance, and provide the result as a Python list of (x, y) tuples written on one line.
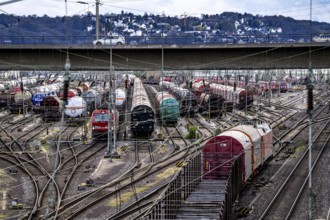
[(93, 99), (50, 108), (200, 86), (240, 97), (215, 98), (186, 99), (25, 82), (39, 94), (211, 104), (254, 143), (15, 102), (142, 112), (233, 157)]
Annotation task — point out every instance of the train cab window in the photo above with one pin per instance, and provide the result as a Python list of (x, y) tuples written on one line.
[(101, 117)]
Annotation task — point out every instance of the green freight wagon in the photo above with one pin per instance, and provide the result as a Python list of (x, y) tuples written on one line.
[(169, 107)]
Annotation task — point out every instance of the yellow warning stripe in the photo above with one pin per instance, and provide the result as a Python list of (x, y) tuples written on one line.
[(180, 164), (244, 210)]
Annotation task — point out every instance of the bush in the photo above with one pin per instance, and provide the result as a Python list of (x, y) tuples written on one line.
[(192, 132), (217, 131)]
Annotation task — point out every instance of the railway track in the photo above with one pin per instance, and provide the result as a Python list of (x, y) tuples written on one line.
[(176, 138), (122, 184), (28, 164), (72, 204), (287, 150), (203, 130), (287, 137), (294, 185)]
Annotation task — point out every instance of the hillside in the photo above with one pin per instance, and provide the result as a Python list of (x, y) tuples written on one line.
[(130, 25)]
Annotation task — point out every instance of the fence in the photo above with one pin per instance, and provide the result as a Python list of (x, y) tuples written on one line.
[(166, 40), (186, 182)]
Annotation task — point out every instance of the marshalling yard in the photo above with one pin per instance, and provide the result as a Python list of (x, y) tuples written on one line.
[(177, 145)]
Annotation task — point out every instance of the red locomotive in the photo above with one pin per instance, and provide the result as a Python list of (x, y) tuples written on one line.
[(283, 86), (100, 122)]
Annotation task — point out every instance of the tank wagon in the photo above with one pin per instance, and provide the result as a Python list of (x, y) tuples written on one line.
[(72, 93), (5, 97), (187, 100), (169, 108), (142, 113), (47, 90), (26, 82), (18, 101), (2, 88), (8, 84), (75, 108), (121, 100), (50, 108), (93, 99), (39, 93), (85, 86), (101, 90), (14, 99), (211, 104)]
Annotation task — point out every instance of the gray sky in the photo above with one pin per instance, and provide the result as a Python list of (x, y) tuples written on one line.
[(298, 9)]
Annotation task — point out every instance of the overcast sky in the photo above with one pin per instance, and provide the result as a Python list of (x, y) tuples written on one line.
[(299, 9)]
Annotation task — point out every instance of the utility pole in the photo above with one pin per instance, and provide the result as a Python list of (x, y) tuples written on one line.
[(184, 20), (97, 11), (51, 198), (234, 93), (110, 122), (269, 87), (112, 109), (162, 76), (23, 95), (310, 118), (278, 84), (246, 93)]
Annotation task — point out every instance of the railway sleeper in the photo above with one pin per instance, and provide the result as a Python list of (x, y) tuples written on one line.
[(16, 207)]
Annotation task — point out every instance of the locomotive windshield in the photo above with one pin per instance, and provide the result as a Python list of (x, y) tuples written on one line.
[(101, 117)]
